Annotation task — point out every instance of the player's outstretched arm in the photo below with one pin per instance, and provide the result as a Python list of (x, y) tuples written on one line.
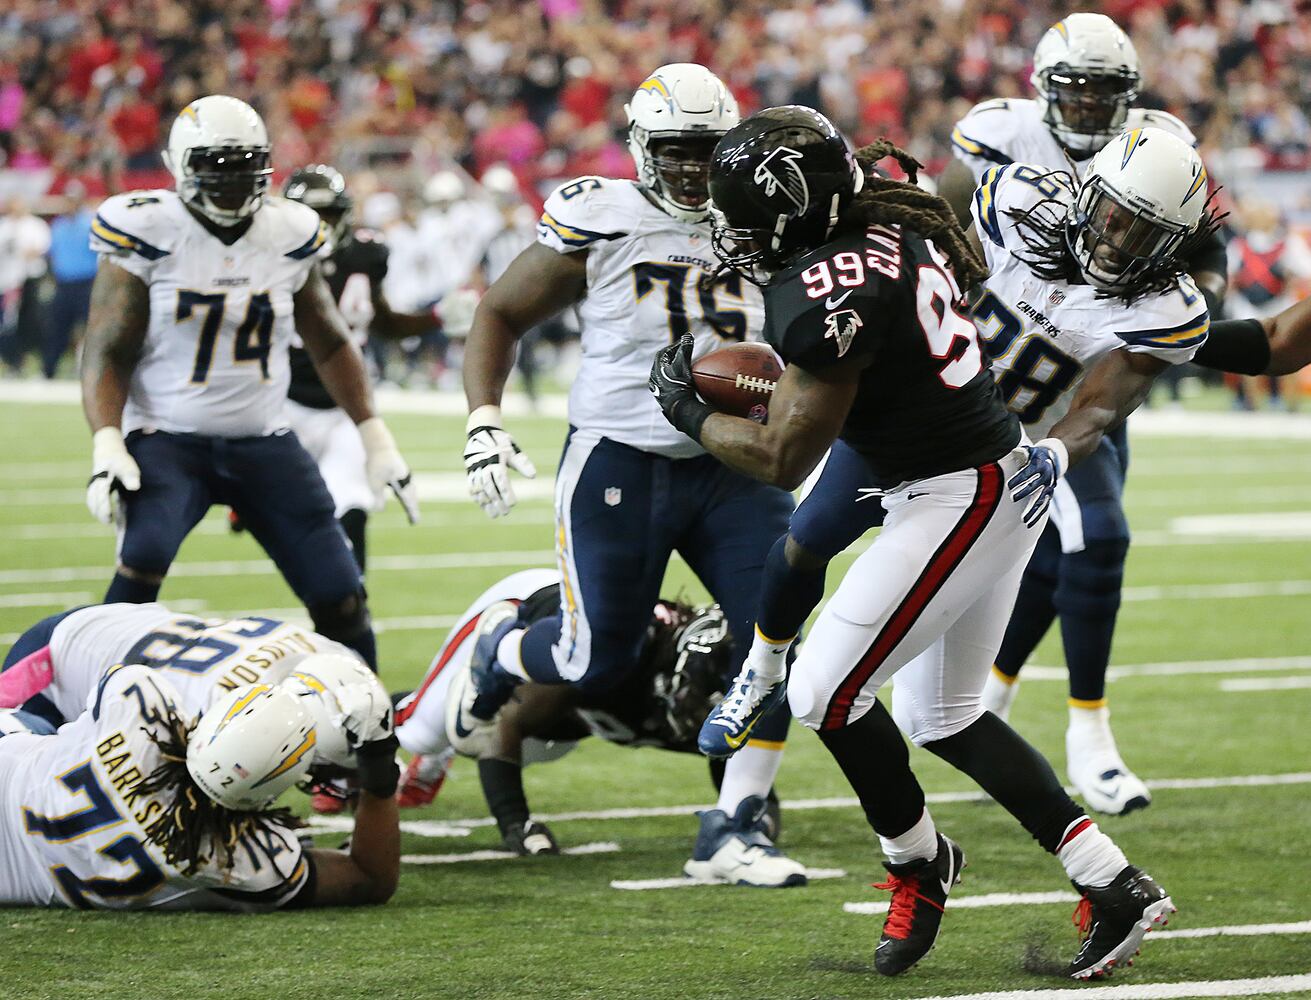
[(1113, 389), (326, 336), (1277, 345), (806, 413), (367, 873)]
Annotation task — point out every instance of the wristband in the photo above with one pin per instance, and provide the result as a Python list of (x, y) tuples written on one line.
[(1057, 447), (688, 415), (487, 415)]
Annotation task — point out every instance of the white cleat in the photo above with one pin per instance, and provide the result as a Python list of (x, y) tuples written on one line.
[(1095, 768), (735, 850)]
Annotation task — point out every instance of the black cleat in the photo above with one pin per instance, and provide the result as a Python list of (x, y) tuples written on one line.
[(531, 839), (1114, 919), (919, 894)]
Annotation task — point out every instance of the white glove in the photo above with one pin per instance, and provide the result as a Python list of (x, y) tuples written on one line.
[(385, 467), (113, 471), (365, 712), (489, 454), (456, 310)]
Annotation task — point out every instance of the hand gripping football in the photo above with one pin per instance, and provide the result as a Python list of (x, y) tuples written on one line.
[(738, 379)]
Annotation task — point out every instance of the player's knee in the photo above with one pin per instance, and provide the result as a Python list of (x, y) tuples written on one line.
[(806, 703), (799, 557), (1090, 579), (343, 619)]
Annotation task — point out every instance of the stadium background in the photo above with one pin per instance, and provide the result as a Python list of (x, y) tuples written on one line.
[(1211, 685)]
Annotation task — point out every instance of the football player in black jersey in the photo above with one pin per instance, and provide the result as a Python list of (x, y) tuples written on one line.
[(862, 279), (354, 272)]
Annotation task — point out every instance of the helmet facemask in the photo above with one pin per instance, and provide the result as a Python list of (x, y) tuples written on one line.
[(1121, 246), (675, 168), (692, 648), (1086, 108), (226, 184)]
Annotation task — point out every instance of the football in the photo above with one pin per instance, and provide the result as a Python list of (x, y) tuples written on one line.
[(738, 379)]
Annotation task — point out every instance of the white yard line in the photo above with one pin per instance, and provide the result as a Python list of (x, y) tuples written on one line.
[(976, 902), (640, 885), (418, 827), (1153, 991), (1266, 684), (1237, 930), (601, 847), (47, 600), (1179, 668)]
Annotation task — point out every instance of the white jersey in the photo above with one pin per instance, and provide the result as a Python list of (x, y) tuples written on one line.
[(1007, 130), (644, 290), (1043, 336), (215, 356), (203, 659), (73, 822), (421, 716)]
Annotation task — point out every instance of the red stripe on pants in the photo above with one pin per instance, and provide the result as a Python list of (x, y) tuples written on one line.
[(949, 555), (456, 641)]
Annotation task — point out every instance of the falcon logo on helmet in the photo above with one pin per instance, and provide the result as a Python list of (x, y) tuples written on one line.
[(779, 171)]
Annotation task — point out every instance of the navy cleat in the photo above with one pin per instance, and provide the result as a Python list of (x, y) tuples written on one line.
[(482, 688), (1114, 919), (728, 727), (735, 850), (919, 896)]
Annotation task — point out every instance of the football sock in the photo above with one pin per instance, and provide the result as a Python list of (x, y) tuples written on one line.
[(999, 692), (353, 523), (1031, 618), (749, 772), (919, 843), (768, 658), (875, 760), (503, 788), (509, 656), (787, 595), (1088, 600), (535, 656), (125, 590), (1014, 773), (1089, 856)]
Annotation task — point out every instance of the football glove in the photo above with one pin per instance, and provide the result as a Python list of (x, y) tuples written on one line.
[(113, 472), (369, 724), (384, 467), (671, 385), (1047, 462), (489, 455)]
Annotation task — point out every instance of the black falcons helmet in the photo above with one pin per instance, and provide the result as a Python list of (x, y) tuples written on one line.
[(779, 181), (323, 189)]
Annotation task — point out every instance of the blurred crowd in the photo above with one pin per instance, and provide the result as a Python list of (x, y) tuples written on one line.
[(417, 100)]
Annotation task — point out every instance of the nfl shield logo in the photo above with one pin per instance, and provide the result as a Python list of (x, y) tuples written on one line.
[(1056, 298), (613, 494)]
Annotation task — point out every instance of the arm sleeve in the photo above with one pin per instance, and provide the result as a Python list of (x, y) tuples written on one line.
[(1235, 345)]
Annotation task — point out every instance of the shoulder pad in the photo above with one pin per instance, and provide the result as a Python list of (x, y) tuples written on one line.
[(136, 686), (137, 223), (1171, 324), (1138, 117), (300, 233), (586, 211), (1004, 191), (988, 131)]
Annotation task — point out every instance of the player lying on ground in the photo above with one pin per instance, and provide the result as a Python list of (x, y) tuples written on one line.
[(683, 669), (862, 301), (630, 490), (185, 370), (136, 805), (54, 666)]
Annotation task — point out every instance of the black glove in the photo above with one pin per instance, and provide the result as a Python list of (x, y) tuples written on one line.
[(377, 771), (671, 385)]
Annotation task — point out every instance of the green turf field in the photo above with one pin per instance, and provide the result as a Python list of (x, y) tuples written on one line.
[(1219, 588)]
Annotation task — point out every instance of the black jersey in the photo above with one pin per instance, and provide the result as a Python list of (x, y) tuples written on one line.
[(927, 404), (363, 254)]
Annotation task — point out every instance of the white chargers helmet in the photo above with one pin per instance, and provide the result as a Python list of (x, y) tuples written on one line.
[(250, 746), (675, 119), (1143, 196), (337, 689), (1085, 71), (218, 154)]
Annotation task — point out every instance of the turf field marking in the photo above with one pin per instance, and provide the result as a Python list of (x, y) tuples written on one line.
[(987, 899), (418, 827), (1214, 591), (601, 847), (640, 885), (1153, 991), (1266, 683), (1237, 930), (1179, 668), (48, 600), (1266, 524)]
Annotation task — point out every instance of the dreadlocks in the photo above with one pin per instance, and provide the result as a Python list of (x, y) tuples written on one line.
[(192, 824), (1042, 228), (883, 201)]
